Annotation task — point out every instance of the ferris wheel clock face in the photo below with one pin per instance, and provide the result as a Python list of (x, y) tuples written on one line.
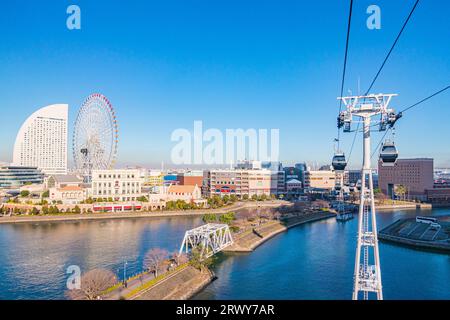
[(95, 136)]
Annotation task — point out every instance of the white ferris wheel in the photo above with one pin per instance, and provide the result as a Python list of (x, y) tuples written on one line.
[(95, 136)]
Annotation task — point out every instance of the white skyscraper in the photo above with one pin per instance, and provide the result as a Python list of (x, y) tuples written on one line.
[(42, 140)]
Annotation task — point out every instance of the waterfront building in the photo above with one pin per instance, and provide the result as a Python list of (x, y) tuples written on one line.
[(186, 193), (320, 179), (154, 178), (277, 179), (277, 183), (42, 140), (17, 176), (240, 182), (293, 187), (117, 184), (63, 180), (302, 168), (190, 178), (415, 175), (68, 194)]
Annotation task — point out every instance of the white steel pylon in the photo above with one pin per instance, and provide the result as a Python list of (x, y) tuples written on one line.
[(367, 274)]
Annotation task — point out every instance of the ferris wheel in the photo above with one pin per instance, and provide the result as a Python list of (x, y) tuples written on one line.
[(95, 136)]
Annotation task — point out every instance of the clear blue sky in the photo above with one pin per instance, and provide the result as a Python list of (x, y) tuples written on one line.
[(232, 64)]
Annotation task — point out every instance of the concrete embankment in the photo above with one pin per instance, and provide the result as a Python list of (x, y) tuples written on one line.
[(182, 285), (251, 239), (412, 206), (409, 232)]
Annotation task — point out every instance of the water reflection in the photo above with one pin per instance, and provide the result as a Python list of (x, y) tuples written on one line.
[(35, 256)]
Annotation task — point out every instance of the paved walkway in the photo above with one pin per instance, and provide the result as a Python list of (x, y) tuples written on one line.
[(155, 214)]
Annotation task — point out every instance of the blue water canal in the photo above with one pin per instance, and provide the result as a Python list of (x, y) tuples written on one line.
[(313, 261)]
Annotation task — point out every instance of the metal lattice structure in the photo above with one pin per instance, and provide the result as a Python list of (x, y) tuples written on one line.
[(95, 136), (367, 275), (212, 238)]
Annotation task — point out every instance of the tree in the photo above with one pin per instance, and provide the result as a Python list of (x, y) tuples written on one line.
[(245, 197), (198, 261), (179, 258), (154, 260), (34, 211), (45, 209), (227, 217), (93, 284), (46, 194), (142, 199), (233, 198), (209, 217), (226, 199), (254, 197), (24, 193), (400, 190), (76, 209)]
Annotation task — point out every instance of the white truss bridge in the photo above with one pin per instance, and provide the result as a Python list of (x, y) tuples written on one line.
[(212, 237)]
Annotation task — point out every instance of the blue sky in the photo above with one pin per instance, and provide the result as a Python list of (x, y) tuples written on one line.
[(231, 64)]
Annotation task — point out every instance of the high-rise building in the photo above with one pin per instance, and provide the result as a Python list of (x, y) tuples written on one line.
[(42, 140)]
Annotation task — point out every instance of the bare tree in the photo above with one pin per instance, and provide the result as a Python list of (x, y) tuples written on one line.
[(154, 260), (179, 258), (93, 284)]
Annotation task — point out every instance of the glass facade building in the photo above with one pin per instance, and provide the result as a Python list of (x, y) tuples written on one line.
[(17, 176)]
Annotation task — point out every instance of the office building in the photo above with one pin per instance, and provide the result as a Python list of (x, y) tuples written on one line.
[(415, 175)]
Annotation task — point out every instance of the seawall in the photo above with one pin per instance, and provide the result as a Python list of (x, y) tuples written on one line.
[(251, 239)]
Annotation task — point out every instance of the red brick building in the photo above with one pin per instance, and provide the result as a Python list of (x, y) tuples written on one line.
[(416, 175)]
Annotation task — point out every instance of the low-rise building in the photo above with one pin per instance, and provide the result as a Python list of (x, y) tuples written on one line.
[(240, 182), (154, 178), (67, 194), (320, 179), (63, 180), (188, 194), (17, 176), (117, 184), (293, 187), (190, 178)]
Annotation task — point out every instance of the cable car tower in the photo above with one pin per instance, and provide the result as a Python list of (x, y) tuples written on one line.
[(367, 275)]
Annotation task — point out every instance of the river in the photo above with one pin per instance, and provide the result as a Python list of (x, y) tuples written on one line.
[(312, 261)]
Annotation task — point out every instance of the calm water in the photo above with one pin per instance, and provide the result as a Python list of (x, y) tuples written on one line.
[(313, 261)]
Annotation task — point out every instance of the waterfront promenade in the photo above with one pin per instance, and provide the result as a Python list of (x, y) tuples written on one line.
[(134, 215), (250, 239)]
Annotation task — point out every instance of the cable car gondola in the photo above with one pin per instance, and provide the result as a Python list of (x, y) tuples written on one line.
[(339, 163), (388, 154)]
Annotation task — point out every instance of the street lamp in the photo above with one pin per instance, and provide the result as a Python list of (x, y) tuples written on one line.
[(125, 272)]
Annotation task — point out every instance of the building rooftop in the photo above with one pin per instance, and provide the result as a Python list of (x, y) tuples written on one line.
[(70, 188), (181, 189), (65, 178)]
